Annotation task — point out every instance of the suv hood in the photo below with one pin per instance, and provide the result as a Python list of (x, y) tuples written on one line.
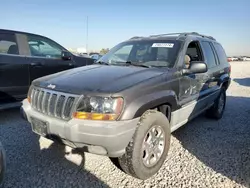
[(97, 78)]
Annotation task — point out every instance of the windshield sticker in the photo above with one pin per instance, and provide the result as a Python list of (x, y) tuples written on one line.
[(163, 45)]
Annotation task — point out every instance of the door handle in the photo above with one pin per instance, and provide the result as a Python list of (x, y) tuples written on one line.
[(36, 64)]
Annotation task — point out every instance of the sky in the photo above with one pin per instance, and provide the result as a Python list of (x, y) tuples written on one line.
[(111, 22)]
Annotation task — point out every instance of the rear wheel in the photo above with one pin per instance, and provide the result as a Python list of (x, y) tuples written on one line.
[(217, 110), (147, 151)]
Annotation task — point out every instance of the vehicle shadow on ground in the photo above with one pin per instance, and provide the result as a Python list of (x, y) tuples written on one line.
[(30, 166), (243, 81), (222, 145)]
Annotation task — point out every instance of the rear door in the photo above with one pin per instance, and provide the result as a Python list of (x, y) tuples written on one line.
[(45, 57), (223, 65), (213, 69), (14, 69)]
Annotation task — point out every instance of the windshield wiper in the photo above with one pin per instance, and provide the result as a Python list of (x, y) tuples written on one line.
[(136, 64), (101, 62)]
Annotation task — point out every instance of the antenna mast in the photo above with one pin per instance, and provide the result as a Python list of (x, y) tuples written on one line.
[(87, 33)]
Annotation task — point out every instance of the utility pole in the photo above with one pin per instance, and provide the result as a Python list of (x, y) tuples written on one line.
[(87, 33)]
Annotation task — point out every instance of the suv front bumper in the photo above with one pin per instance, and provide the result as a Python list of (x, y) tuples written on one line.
[(99, 137)]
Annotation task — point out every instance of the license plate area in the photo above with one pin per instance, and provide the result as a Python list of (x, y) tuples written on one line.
[(38, 126)]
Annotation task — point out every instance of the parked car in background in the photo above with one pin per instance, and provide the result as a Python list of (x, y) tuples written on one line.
[(96, 56), (246, 58), (25, 57), (128, 103), (240, 58), (93, 53), (2, 164)]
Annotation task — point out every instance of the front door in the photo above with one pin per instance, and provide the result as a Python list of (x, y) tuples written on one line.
[(45, 57), (193, 87), (14, 69)]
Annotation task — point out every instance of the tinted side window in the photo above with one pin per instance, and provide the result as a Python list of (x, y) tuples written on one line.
[(209, 55), (221, 53), (8, 44), (122, 54), (42, 47)]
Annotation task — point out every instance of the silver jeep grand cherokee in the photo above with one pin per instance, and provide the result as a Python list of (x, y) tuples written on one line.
[(126, 105)]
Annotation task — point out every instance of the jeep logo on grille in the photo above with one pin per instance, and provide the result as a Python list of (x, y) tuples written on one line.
[(51, 86)]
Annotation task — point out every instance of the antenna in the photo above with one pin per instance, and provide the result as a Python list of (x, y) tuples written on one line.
[(87, 34)]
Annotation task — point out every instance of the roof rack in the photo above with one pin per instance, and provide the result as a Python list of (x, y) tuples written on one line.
[(204, 36), (136, 37), (167, 34), (184, 34)]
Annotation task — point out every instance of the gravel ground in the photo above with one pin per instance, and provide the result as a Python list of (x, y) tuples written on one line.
[(204, 153)]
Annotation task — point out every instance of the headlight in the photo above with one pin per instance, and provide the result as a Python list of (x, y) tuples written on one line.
[(99, 108)]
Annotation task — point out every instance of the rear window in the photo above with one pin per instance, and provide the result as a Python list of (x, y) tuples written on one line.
[(221, 53)]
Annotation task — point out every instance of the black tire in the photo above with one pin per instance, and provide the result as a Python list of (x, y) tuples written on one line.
[(131, 162), (214, 112), (115, 162)]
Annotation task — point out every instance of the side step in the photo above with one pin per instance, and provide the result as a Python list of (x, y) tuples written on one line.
[(10, 105)]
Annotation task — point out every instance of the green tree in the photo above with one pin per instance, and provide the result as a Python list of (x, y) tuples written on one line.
[(104, 51)]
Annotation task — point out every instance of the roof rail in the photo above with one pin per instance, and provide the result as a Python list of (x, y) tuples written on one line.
[(167, 34), (204, 36), (136, 37), (183, 34)]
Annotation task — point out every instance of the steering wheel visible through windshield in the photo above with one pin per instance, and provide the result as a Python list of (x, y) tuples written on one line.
[(151, 53)]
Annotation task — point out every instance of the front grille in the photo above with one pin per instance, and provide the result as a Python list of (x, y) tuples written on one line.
[(52, 103)]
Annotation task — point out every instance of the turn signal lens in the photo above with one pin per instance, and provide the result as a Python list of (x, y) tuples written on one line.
[(94, 116), (29, 94), (28, 98)]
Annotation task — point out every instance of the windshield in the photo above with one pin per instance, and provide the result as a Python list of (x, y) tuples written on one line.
[(149, 53)]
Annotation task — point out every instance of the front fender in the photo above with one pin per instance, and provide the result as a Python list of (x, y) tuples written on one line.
[(139, 105)]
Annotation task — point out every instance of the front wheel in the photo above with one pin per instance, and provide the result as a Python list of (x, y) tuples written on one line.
[(147, 151), (218, 108)]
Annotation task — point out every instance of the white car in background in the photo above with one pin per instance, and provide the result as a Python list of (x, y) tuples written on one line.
[(234, 58), (96, 56), (246, 58)]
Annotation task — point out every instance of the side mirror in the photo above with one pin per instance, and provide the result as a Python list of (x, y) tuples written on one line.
[(195, 68), (66, 55)]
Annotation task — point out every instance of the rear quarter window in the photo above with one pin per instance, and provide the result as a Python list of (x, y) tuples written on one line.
[(220, 52)]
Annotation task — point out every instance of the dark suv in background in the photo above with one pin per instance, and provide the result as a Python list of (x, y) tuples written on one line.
[(25, 57), (128, 103)]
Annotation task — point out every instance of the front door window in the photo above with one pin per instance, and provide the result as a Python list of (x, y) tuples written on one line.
[(42, 47)]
